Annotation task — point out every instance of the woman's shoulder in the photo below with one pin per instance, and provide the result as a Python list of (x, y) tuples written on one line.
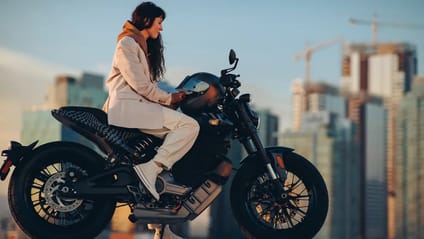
[(127, 41)]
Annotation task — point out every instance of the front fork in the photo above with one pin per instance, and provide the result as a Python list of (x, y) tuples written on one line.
[(253, 143), (275, 166), (273, 160)]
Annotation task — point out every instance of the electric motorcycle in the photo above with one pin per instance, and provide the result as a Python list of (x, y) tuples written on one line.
[(67, 190)]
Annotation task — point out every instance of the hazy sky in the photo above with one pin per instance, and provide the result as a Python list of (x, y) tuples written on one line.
[(43, 38)]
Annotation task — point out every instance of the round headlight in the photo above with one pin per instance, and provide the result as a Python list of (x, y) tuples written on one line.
[(255, 118)]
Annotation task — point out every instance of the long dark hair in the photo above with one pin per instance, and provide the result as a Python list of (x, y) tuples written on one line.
[(149, 11)]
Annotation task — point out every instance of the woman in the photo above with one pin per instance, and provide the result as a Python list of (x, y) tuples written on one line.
[(135, 101)]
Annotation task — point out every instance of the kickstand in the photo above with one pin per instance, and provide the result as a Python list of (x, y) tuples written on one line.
[(162, 230)]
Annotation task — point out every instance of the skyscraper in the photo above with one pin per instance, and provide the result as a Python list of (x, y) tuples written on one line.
[(374, 170), (410, 164), (384, 70), (325, 137), (268, 127), (314, 97), (66, 90), (298, 104)]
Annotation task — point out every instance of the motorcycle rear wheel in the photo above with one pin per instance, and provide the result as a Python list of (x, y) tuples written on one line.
[(261, 215), (34, 198)]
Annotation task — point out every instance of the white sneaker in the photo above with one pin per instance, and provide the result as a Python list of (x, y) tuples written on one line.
[(167, 233), (148, 173)]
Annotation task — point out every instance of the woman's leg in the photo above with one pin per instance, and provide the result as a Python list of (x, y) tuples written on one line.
[(180, 133)]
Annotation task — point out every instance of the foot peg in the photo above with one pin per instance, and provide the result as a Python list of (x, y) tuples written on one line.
[(166, 183)]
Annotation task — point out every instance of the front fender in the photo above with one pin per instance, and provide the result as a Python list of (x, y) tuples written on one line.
[(272, 151), (277, 155)]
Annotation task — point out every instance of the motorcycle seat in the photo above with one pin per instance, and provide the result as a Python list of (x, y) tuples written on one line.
[(92, 123)]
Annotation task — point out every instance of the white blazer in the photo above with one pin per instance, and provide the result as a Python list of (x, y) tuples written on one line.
[(134, 101)]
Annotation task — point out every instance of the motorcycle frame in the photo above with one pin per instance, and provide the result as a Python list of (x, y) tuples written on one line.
[(244, 129)]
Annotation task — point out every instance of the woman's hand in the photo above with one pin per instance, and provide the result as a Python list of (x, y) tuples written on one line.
[(176, 98)]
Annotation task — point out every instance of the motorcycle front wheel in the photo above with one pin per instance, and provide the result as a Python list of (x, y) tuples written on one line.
[(261, 214), (35, 200)]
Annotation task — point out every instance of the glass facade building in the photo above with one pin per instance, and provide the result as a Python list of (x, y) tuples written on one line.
[(410, 164), (374, 146), (384, 70), (327, 140), (39, 124), (268, 127)]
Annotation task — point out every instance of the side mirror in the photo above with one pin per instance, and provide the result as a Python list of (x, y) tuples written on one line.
[(233, 60), (232, 57)]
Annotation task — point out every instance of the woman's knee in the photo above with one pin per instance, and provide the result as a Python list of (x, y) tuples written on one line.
[(190, 124), (195, 125)]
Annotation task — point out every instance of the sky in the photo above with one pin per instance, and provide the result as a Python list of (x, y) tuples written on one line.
[(45, 38)]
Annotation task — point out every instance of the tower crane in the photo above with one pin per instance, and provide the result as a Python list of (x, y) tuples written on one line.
[(377, 24), (307, 53)]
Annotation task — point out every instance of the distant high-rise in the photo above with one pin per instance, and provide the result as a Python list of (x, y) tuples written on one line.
[(268, 127), (314, 97), (384, 70), (373, 169), (327, 140), (322, 134), (85, 91), (366, 199), (66, 90), (410, 164), (298, 104)]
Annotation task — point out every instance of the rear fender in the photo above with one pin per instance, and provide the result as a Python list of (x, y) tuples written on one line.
[(14, 155)]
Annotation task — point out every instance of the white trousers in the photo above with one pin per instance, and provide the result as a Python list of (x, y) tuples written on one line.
[(180, 131)]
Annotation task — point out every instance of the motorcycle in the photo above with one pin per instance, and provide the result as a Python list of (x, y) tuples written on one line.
[(68, 190)]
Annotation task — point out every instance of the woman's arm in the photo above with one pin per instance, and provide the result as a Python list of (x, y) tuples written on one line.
[(132, 69)]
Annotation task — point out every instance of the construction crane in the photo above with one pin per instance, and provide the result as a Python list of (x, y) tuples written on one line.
[(307, 53), (377, 24)]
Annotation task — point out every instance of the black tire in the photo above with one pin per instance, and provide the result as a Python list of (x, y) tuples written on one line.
[(37, 208), (258, 213)]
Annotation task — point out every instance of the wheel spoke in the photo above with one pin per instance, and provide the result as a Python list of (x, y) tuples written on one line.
[(276, 214), (42, 177), (296, 184), (265, 211), (298, 196), (47, 203), (288, 217), (294, 208), (259, 200), (35, 193), (36, 203), (302, 191), (45, 173), (57, 169), (37, 186)]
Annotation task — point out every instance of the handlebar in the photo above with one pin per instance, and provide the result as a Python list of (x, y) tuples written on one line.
[(229, 80)]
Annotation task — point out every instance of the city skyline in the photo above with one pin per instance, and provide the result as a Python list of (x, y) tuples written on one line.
[(60, 40), (43, 39)]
